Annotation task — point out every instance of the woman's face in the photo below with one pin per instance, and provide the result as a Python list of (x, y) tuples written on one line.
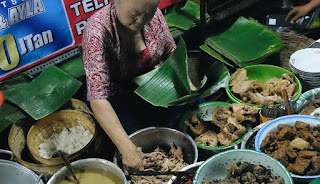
[(134, 14)]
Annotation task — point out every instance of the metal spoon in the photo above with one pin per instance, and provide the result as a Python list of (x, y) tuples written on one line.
[(66, 163)]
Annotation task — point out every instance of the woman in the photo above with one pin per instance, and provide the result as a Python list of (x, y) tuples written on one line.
[(121, 41), (301, 11)]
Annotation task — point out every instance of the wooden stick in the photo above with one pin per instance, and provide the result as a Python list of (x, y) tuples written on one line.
[(286, 101)]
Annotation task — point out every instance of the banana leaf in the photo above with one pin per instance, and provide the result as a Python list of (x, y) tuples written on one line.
[(9, 114), (169, 86), (170, 81), (74, 67), (44, 94), (178, 20), (215, 55), (183, 18), (16, 80), (246, 41)]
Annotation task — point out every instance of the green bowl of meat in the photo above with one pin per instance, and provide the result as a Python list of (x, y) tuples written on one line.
[(257, 85)]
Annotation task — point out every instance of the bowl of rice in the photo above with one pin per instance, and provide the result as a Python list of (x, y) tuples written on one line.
[(69, 131)]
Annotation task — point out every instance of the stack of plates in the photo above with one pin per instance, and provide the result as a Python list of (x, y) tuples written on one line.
[(305, 63)]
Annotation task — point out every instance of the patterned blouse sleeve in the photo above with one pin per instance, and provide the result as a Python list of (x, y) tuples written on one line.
[(170, 45), (97, 75)]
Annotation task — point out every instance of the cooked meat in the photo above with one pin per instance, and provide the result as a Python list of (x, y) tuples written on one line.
[(316, 145), (160, 160), (281, 156), (291, 153), (244, 112), (283, 144), (224, 138), (208, 138), (220, 116), (255, 92), (269, 139), (300, 144), (304, 134), (245, 173), (286, 133), (315, 162), (299, 166), (302, 125), (196, 126), (307, 154)]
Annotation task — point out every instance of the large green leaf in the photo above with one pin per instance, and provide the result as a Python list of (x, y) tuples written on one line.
[(176, 19), (184, 17), (246, 41), (44, 94), (20, 79), (170, 82), (74, 67), (9, 114), (215, 55)]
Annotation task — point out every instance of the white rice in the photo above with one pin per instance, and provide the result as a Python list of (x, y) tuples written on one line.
[(68, 141)]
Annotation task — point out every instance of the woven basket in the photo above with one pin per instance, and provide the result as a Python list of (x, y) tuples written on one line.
[(291, 43), (55, 123), (17, 141)]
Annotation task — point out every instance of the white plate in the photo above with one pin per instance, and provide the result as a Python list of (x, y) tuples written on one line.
[(307, 60)]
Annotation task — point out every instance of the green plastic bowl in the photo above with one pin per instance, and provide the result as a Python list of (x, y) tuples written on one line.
[(206, 110), (263, 73)]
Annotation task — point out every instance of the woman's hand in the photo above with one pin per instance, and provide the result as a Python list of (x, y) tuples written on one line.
[(298, 12), (133, 159)]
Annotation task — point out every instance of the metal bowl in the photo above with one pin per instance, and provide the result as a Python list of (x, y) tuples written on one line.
[(88, 164), (194, 167), (149, 138)]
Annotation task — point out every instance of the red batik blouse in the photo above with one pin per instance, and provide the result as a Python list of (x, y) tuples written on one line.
[(104, 80)]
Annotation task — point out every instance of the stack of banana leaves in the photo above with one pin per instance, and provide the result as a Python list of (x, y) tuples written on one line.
[(183, 18), (169, 84), (245, 43), (28, 98)]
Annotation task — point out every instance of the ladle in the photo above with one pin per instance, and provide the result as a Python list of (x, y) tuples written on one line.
[(66, 163)]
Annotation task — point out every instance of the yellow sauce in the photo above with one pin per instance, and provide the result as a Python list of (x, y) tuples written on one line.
[(95, 176)]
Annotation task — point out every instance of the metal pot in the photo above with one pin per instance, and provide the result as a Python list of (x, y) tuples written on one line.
[(88, 164), (12, 172), (149, 138)]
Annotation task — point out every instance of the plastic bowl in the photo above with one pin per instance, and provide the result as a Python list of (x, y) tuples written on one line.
[(205, 109), (287, 120), (263, 73), (216, 166)]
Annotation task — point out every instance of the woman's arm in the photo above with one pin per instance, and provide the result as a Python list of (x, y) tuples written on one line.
[(109, 121), (301, 11)]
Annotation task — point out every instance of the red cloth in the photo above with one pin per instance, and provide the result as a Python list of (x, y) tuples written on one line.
[(165, 3), (99, 64)]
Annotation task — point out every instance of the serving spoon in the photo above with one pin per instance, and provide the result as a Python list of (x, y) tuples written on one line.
[(66, 162)]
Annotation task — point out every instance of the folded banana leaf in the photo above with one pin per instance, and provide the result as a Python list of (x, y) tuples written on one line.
[(9, 114), (215, 55), (170, 81), (73, 67), (169, 86), (44, 94), (246, 41), (183, 18)]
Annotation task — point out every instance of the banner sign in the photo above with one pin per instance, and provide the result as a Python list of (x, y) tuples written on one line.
[(33, 31)]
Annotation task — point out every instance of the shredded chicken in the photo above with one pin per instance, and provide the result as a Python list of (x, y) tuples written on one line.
[(160, 160)]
